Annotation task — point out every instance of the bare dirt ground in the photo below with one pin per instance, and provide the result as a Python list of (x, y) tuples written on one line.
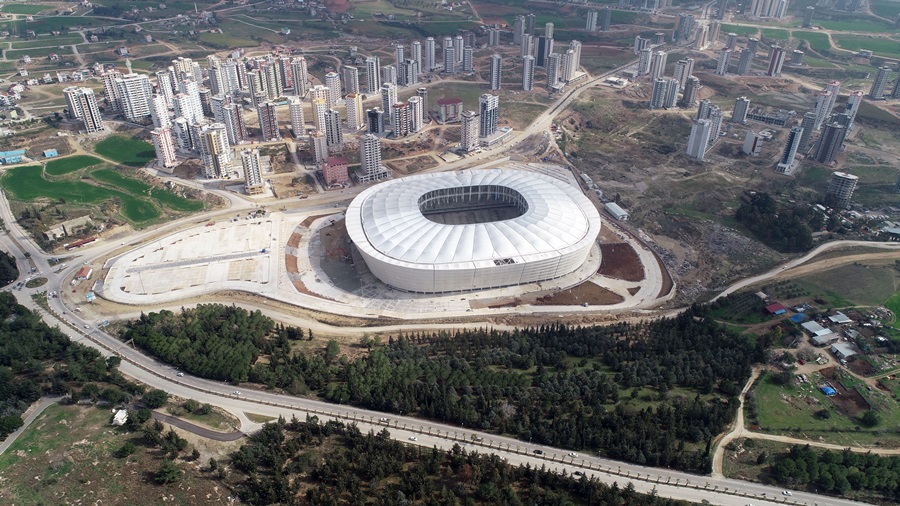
[(620, 261)]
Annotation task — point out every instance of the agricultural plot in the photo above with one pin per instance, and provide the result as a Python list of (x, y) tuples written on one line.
[(851, 285), (127, 151), (776, 34), (49, 41), (885, 8), (226, 41), (742, 31), (883, 46), (816, 41), (27, 9), (856, 25), (63, 166)]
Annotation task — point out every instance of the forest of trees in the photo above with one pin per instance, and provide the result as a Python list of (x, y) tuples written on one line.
[(839, 472), (784, 229), (212, 340), (329, 464), (37, 359), (9, 271), (573, 387)]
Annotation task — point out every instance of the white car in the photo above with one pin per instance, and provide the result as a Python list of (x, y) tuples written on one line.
[(236, 392), (786, 492), (413, 438), (87, 326), (382, 419), (573, 454), (180, 374)]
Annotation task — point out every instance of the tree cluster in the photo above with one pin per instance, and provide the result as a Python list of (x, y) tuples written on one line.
[(839, 472), (782, 228), (9, 271), (329, 464), (211, 340), (37, 359)]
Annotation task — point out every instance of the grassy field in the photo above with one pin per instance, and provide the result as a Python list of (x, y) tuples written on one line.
[(885, 8), (15, 54), (816, 41), (62, 166), (792, 410), (24, 8), (849, 285), (226, 41), (743, 31), (856, 25), (26, 183), (137, 187), (894, 305), (776, 34), (48, 41), (68, 452), (127, 151), (879, 45)]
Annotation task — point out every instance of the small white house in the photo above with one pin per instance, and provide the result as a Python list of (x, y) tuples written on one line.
[(120, 416), (616, 211)]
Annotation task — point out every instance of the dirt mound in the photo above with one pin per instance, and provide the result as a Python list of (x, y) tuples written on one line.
[(620, 261)]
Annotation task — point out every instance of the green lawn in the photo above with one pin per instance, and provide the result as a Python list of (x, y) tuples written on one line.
[(792, 410), (127, 151), (61, 40), (226, 41), (69, 164), (879, 45), (856, 284), (24, 8), (776, 34), (140, 188), (856, 25), (816, 41), (894, 305), (27, 184), (885, 8), (743, 31)]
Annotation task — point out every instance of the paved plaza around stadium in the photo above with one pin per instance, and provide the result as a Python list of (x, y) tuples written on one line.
[(284, 256)]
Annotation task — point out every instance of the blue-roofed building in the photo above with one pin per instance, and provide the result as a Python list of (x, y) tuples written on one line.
[(799, 318), (828, 391), (8, 157), (50, 153)]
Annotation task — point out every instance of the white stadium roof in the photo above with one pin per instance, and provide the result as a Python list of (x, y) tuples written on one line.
[(396, 227), (555, 231)]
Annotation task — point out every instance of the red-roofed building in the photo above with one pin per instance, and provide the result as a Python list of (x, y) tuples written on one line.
[(84, 273), (335, 171), (776, 309), (450, 109)]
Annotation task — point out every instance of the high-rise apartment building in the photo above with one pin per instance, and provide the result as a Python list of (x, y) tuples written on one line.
[(496, 72), (468, 59), (415, 54), (370, 159), (253, 181), (298, 121), (684, 68), (823, 98), (356, 118), (388, 98), (469, 133), (489, 112), (400, 117), (159, 111), (841, 188), (606, 18), (830, 142), (553, 70), (723, 62), (430, 54), (526, 47), (518, 29), (528, 73), (776, 61), (82, 105), (786, 164), (745, 63), (658, 65), (808, 125), (333, 83), (134, 92), (416, 114), (698, 141), (299, 76), (449, 58), (268, 121), (215, 151), (691, 90), (334, 135), (375, 121), (373, 75), (590, 24), (235, 123), (741, 107), (876, 92), (389, 74), (164, 146)]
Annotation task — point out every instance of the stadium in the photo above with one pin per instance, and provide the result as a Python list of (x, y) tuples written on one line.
[(472, 230)]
